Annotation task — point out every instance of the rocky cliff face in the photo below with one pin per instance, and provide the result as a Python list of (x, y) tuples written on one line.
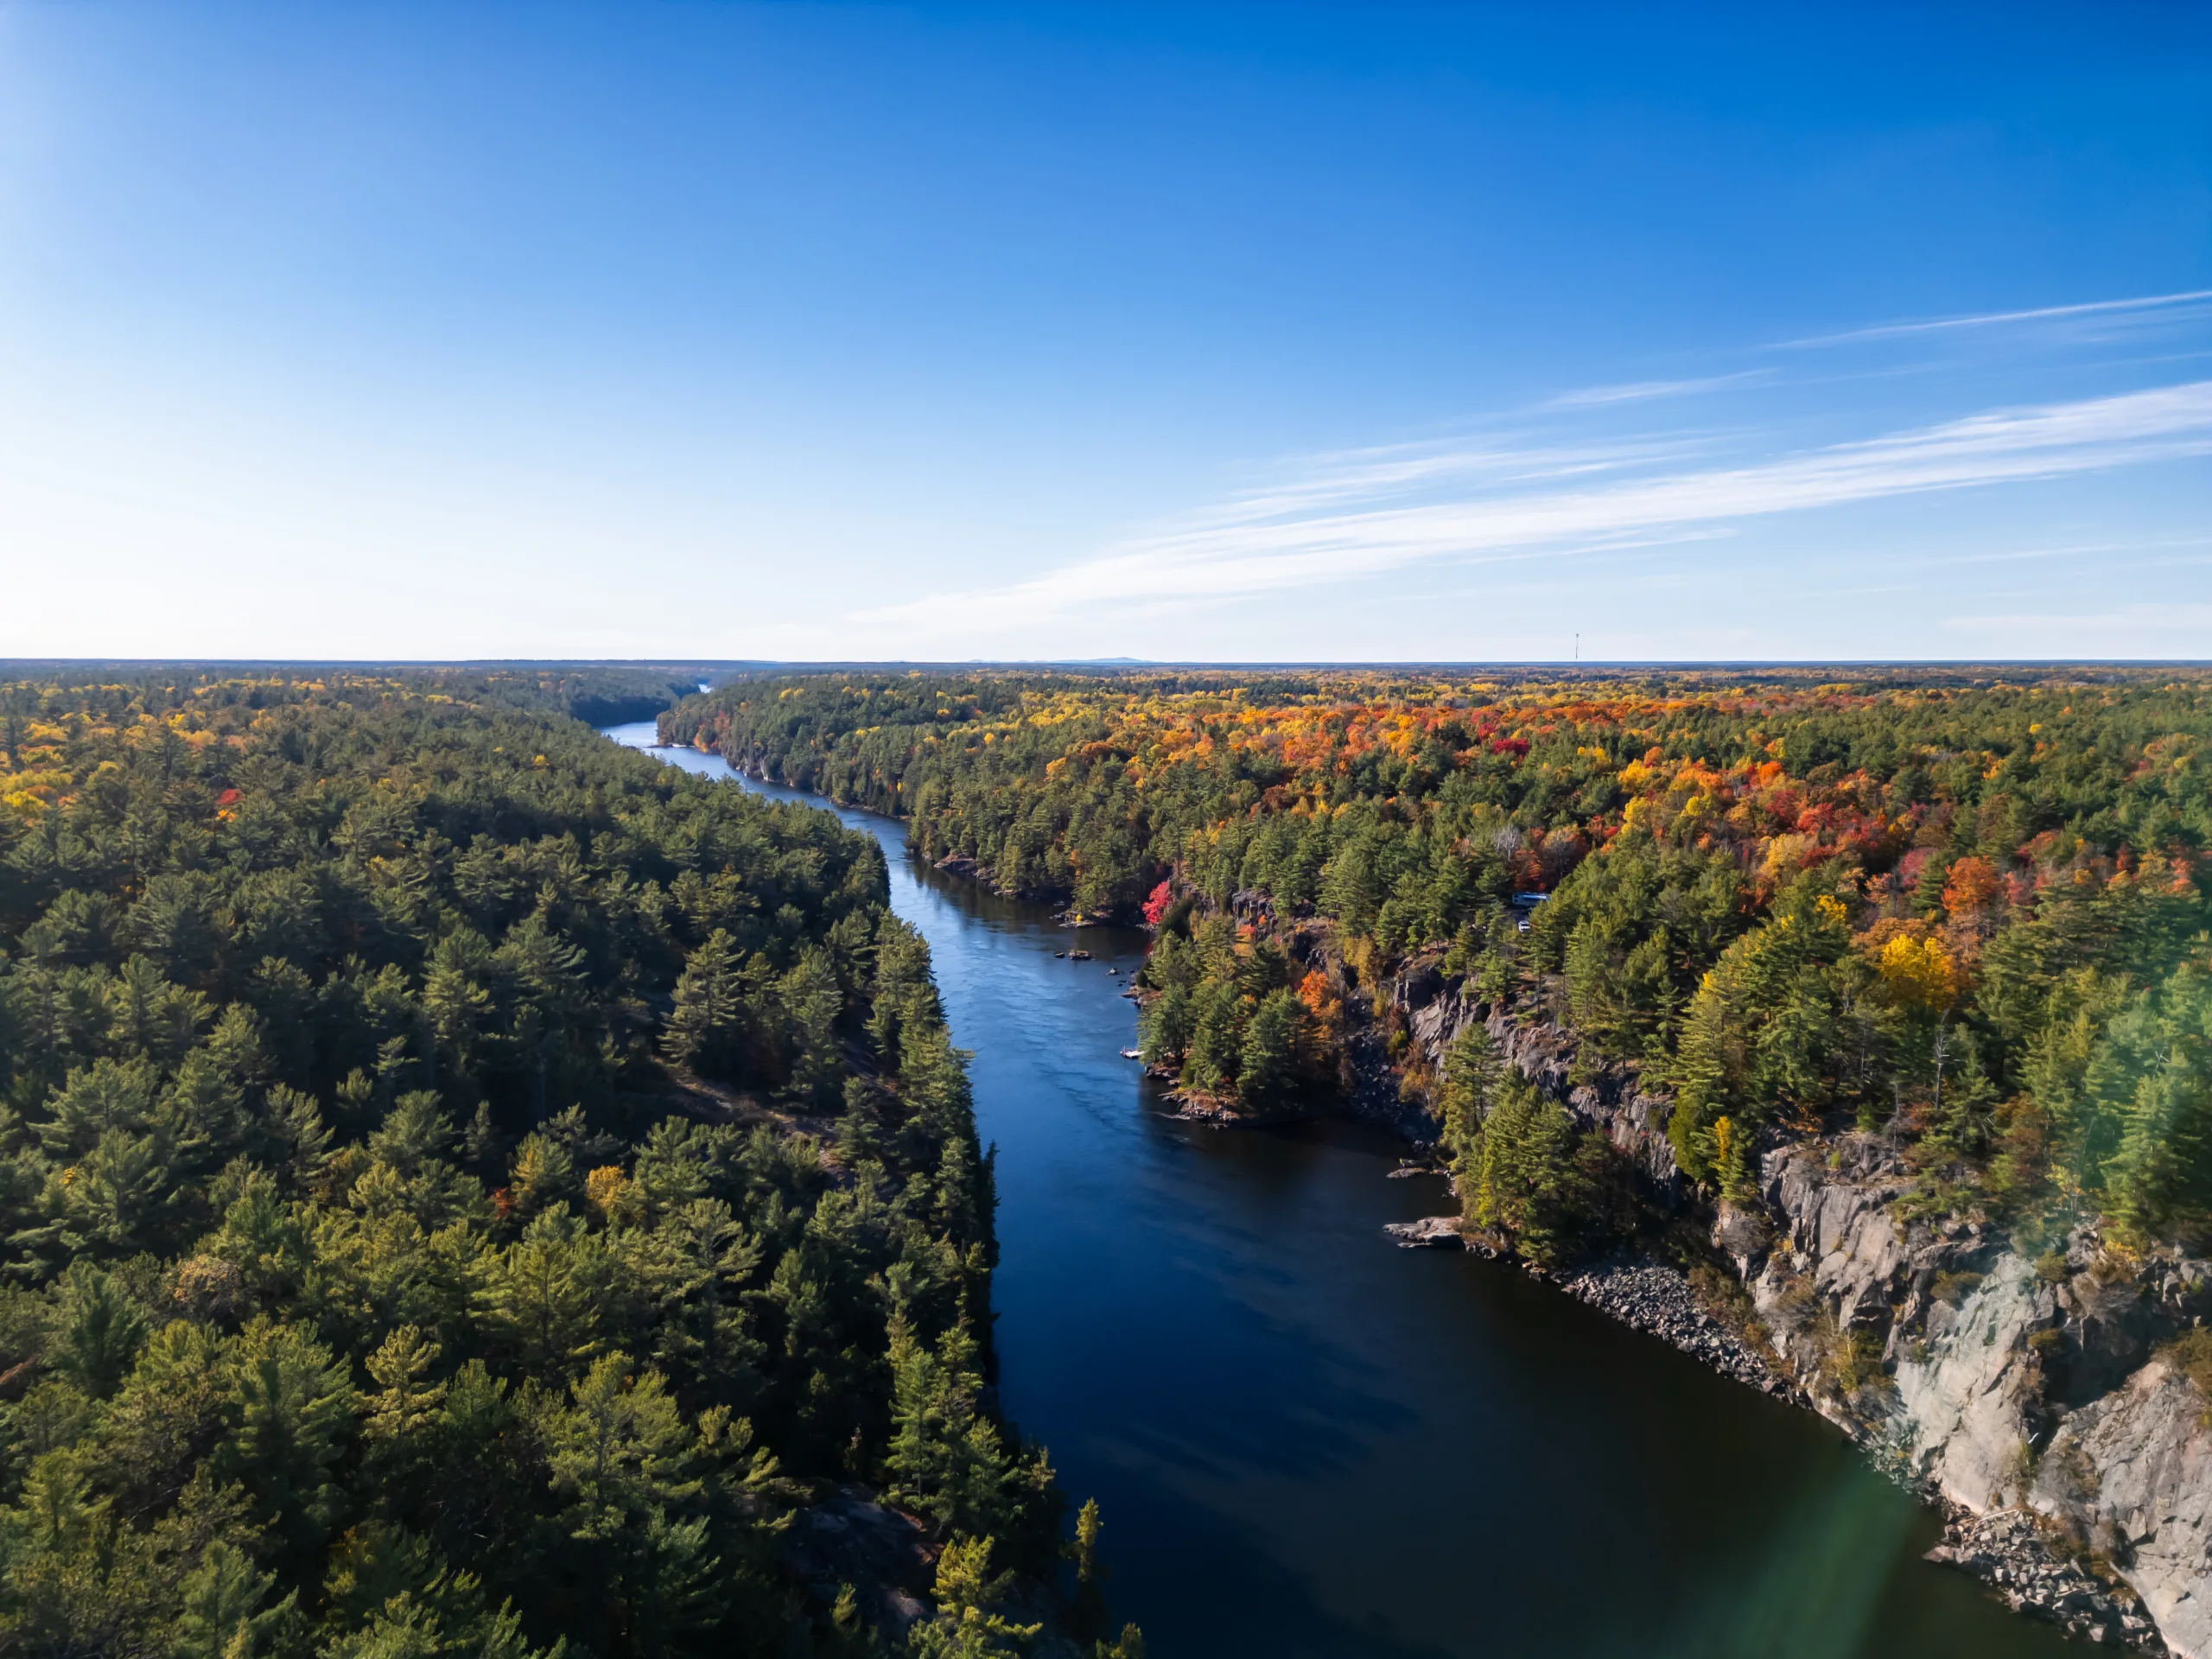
[(2133, 1469), (1610, 1099), (2012, 1389)]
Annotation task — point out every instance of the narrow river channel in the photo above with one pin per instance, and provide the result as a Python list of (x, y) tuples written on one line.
[(1307, 1443)]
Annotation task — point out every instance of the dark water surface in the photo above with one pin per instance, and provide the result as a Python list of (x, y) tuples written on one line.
[(1307, 1442)]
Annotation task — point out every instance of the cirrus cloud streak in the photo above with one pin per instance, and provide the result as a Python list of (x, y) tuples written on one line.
[(1344, 516)]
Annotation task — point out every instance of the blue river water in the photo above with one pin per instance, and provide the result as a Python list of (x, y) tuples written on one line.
[(1307, 1442)]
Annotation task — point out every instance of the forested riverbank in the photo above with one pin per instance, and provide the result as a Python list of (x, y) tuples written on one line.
[(1866, 1001), (465, 1187)]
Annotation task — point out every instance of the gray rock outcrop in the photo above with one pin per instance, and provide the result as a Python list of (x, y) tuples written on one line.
[(2132, 1472), (2027, 1396), (1966, 1391), (849, 1538), (1430, 1233), (1608, 1098)]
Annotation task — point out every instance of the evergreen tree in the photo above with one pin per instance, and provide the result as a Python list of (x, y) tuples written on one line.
[(1267, 1073)]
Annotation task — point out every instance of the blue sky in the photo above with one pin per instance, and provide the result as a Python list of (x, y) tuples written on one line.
[(1230, 333)]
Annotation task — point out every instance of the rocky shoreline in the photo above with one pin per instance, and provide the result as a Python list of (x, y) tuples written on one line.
[(2022, 1390), (2003, 1548), (1648, 1296), (1659, 1301), (2007, 1551)]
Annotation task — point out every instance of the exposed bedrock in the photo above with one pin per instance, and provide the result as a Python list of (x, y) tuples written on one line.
[(2029, 1397)]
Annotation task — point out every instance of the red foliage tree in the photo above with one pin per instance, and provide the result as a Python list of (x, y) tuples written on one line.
[(1156, 906)]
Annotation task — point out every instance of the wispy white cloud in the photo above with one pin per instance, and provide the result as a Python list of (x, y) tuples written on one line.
[(1994, 319), (1310, 484), (2084, 550), (1638, 392), (1367, 512)]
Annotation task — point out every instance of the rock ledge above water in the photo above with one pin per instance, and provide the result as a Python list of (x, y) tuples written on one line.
[(1429, 1233)]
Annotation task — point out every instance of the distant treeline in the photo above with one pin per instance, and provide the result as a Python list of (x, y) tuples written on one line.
[(597, 695)]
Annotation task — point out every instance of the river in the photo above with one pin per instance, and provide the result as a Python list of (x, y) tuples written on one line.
[(1309, 1444)]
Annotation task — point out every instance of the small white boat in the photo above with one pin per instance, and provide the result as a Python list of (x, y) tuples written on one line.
[(1133, 1053)]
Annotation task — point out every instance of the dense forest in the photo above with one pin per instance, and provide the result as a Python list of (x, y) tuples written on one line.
[(1963, 910), (465, 1187)]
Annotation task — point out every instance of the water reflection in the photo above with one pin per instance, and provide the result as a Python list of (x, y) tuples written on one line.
[(1307, 1443)]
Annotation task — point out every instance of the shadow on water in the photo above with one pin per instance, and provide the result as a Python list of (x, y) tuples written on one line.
[(1307, 1443)]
